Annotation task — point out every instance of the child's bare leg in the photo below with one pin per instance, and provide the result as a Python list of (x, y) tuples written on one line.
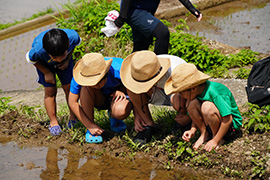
[(219, 126), (66, 90), (194, 110), (50, 104)]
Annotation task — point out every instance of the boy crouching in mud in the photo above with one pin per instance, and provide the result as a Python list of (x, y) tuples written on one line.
[(210, 105)]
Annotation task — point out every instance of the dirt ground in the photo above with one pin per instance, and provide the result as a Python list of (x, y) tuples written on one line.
[(230, 159)]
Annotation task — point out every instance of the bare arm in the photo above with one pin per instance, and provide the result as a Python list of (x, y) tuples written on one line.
[(78, 111)]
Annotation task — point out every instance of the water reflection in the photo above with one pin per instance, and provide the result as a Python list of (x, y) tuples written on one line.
[(52, 163)]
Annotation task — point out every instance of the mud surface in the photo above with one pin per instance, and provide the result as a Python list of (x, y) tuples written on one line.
[(235, 155)]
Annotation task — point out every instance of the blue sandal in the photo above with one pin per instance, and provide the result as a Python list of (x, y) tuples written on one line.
[(89, 138), (55, 130), (116, 125), (71, 123)]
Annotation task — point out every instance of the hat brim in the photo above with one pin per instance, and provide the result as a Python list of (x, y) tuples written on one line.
[(170, 89), (89, 81), (141, 87)]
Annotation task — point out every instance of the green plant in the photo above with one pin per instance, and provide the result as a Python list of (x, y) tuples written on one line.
[(202, 160), (259, 165), (242, 73), (5, 106), (257, 119), (232, 173), (243, 58)]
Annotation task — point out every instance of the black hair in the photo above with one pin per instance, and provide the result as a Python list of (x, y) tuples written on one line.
[(55, 42)]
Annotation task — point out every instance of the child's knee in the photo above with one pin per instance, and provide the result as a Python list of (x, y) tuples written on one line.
[(208, 108)]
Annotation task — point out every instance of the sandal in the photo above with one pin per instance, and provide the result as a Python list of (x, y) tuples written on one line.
[(145, 136), (71, 123), (89, 138), (116, 125), (55, 130)]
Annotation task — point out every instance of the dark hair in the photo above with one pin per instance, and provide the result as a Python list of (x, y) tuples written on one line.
[(55, 42)]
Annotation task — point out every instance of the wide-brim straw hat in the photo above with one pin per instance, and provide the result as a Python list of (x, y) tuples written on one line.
[(89, 70), (142, 69), (184, 77)]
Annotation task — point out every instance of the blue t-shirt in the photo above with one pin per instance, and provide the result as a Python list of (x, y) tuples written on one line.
[(113, 78), (38, 53)]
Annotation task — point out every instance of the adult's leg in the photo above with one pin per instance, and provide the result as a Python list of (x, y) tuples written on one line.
[(140, 42), (142, 23), (162, 35), (50, 104)]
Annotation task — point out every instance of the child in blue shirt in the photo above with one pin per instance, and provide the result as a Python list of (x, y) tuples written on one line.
[(96, 83), (51, 54)]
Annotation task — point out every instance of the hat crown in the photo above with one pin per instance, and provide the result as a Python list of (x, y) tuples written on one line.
[(92, 64), (146, 69), (189, 74)]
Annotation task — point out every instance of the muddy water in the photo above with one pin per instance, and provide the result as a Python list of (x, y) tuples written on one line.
[(50, 163), (16, 10), (243, 23)]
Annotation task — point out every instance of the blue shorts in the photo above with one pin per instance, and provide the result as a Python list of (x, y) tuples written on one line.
[(143, 24), (64, 76)]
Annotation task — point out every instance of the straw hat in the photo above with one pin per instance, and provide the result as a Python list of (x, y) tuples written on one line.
[(183, 77), (142, 69), (89, 70)]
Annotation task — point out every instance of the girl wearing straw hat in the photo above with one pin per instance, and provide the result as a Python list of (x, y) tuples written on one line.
[(210, 105), (144, 75), (96, 82)]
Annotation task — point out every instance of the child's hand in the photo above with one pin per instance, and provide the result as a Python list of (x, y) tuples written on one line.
[(188, 135), (138, 125), (96, 130), (118, 96), (49, 77)]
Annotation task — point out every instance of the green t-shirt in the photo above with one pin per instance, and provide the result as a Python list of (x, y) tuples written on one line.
[(222, 97)]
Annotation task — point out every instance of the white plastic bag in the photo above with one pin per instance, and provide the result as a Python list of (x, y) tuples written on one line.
[(110, 28)]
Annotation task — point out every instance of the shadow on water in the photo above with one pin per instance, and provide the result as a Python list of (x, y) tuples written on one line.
[(51, 163)]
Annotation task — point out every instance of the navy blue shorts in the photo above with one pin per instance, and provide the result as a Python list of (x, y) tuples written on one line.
[(64, 76), (143, 24)]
